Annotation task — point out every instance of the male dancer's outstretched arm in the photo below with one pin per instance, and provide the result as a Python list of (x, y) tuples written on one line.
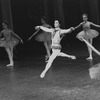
[(66, 30), (44, 29)]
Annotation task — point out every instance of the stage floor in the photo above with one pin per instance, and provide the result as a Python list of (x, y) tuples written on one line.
[(66, 80)]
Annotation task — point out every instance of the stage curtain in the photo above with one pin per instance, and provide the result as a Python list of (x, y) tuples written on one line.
[(58, 11), (91, 8), (54, 10), (6, 12), (94, 10)]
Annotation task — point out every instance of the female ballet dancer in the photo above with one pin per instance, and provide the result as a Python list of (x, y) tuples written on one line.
[(56, 47), (9, 40), (45, 37), (87, 35)]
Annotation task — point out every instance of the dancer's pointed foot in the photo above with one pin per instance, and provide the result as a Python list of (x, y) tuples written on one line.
[(89, 58), (46, 61), (73, 57), (46, 57), (42, 74), (11, 64)]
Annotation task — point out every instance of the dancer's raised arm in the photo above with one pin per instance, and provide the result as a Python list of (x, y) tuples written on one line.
[(78, 26), (66, 30), (44, 29), (95, 24), (17, 36)]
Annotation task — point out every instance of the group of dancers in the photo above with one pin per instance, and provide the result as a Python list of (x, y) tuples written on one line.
[(51, 38), (86, 35)]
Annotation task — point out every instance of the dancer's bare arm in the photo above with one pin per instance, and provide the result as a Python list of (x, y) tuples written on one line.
[(17, 36), (95, 24), (63, 31), (44, 29), (78, 26)]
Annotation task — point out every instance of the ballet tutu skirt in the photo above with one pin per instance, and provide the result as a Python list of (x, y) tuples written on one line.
[(12, 42), (44, 36), (88, 34)]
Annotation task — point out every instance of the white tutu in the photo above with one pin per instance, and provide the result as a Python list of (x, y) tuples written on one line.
[(12, 42), (89, 34), (44, 36)]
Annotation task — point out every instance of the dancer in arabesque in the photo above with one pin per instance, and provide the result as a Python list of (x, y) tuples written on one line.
[(56, 47)]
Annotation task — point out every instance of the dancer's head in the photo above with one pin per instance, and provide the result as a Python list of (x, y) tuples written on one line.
[(5, 25), (43, 20), (85, 17), (56, 24)]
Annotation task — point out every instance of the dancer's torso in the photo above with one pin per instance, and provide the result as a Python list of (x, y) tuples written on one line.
[(86, 26), (56, 39), (7, 34)]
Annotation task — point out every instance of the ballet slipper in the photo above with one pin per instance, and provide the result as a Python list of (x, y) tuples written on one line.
[(89, 58), (42, 74), (46, 57), (73, 57), (11, 64)]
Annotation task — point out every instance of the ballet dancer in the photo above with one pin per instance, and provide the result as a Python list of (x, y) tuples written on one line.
[(9, 40), (87, 35), (44, 37), (56, 47)]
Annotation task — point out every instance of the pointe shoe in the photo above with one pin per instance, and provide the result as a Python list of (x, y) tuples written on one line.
[(42, 75), (89, 58), (11, 64), (46, 57), (46, 61), (73, 57)]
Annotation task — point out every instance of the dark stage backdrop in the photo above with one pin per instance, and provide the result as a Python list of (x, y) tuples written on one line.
[(26, 15), (0, 17), (6, 12)]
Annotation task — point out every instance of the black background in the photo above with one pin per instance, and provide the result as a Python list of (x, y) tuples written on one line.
[(26, 15)]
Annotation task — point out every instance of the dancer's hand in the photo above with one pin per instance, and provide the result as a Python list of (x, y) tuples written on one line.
[(72, 28), (37, 27)]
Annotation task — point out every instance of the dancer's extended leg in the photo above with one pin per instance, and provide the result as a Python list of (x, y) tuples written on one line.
[(66, 55), (50, 61)]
